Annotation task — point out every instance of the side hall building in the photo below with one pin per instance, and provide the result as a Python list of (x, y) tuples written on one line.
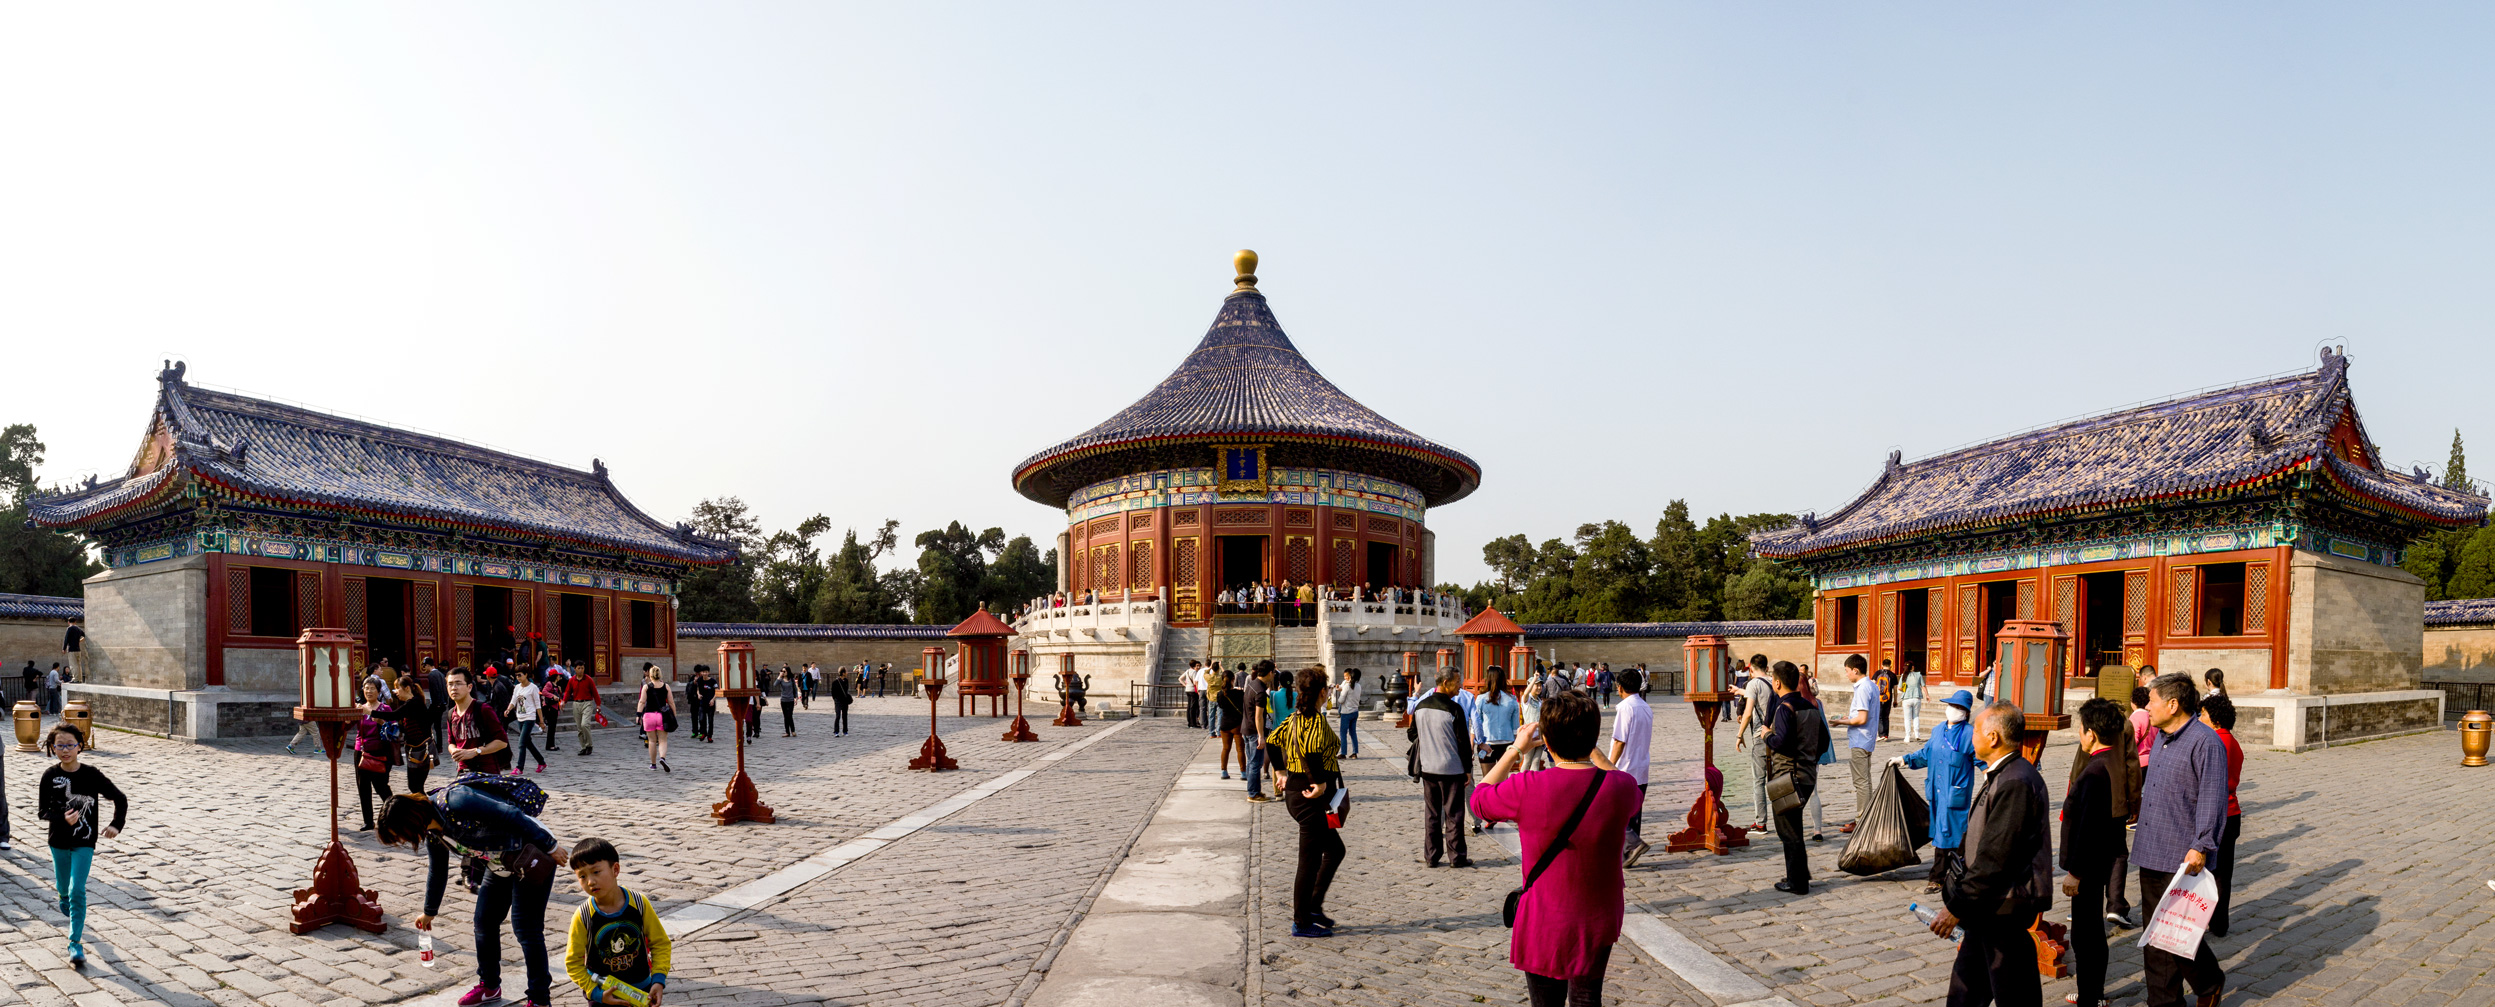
[(2253, 529), (241, 521)]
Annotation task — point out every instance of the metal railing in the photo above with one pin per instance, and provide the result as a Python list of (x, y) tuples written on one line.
[(2461, 697), (1150, 700)]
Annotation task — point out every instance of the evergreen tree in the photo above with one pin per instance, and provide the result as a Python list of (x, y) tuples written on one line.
[(791, 576), (1614, 575), (853, 592), (33, 560), (722, 593), (2474, 575), (2456, 471), (952, 567), (1021, 572), (2429, 561)]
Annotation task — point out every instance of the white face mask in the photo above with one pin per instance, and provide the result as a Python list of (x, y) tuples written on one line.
[(1954, 715)]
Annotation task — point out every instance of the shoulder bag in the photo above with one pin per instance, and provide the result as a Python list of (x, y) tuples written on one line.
[(1507, 916)]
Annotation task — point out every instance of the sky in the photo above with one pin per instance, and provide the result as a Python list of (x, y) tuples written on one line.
[(860, 260)]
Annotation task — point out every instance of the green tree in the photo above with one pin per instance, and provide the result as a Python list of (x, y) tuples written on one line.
[(33, 560), (791, 576), (2474, 575), (1767, 591), (853, 591), (2456, 471), (2430, 560), (952, 567), (722, 593), (1512, 559), (1614, 575), (1550, 593), (1021, 572)]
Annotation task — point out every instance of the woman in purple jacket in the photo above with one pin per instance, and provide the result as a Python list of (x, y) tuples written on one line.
[(1570, 916)]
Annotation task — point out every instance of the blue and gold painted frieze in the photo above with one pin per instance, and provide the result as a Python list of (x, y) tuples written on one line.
[(2112, 550), (1300, 486), (350, 554)]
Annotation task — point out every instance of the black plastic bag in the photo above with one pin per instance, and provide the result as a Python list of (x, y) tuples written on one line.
[(1918, 811), (1886, 838)]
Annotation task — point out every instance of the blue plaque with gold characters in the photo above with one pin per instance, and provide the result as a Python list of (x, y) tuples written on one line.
[(1241, 467)]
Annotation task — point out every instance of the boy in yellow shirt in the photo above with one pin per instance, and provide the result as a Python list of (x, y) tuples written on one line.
[(616, 933)]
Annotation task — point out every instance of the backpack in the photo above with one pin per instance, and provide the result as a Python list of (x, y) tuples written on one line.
[(518, 792)]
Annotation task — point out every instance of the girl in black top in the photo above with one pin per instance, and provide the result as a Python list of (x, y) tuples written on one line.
[(656, 701), (69, 795), (416, 722)]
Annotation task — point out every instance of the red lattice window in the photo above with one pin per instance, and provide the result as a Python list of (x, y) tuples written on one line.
[(1183, 562), (1385, 526), (2135, 601), (523, 610), (2066, 610), (1241, 515), (1888, 616), (1183, 517), (425, 627), (1935, 609), (1296, 558), (1104, 526), (356, 623), (1966, 614), (1105, 567), (2256, 597), (1139, 565), (597, 629), (1300, 518), (1346, 521), (238, 599), (2181, 606), (1344, 558), (307, 598), (1143, 520), (463, 612), (2027, 599)]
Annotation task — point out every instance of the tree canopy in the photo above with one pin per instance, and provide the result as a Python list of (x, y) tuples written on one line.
[(33, 560), (786, 577), (1605, 572)]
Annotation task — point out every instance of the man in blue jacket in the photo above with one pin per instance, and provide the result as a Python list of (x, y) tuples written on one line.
[(1950, 784)]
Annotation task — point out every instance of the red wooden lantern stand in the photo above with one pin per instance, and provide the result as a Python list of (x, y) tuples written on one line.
[(736, 680), (982, 653), (1065, 693), (1489, 638), (2030, 662), (1707, 660), (931, 755), (328, 686), (1020, 730)]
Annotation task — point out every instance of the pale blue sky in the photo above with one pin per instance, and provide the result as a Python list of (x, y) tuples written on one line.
[(861, 261)]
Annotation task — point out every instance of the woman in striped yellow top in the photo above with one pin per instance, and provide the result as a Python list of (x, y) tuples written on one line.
[(1302, 756)]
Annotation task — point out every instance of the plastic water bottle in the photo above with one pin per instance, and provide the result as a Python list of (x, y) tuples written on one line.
[(424, 948), (1956, 934)]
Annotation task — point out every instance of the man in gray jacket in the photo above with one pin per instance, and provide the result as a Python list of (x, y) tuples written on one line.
[(1443, 747)]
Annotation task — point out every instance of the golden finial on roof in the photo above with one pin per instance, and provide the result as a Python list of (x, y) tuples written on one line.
[(1246, 263)]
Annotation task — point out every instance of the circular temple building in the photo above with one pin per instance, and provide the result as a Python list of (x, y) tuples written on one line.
[(1244, 466)]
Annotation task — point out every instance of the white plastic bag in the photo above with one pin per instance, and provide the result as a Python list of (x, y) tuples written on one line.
[(2182, 915)]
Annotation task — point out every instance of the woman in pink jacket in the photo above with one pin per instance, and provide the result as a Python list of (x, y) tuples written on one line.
[(1570, 914)]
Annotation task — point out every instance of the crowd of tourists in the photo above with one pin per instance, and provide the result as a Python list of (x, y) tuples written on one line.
[(1277, 597)]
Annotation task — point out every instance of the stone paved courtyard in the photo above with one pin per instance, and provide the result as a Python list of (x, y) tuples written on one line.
[(2360, 881)]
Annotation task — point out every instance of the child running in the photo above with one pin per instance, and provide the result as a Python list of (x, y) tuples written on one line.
[(70, 793), (616, 934)]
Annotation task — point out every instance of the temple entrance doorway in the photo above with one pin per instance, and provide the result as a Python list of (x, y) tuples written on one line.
[(572, 629), (1381, 565), (1914, 610), (2000, 599), (389, 623), (2100, 629), (493, 624)]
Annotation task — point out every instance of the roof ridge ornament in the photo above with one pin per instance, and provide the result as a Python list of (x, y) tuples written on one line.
[(1245, 262), (172, 374)]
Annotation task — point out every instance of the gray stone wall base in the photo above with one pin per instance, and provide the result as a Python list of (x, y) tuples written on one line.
[(189, 714)]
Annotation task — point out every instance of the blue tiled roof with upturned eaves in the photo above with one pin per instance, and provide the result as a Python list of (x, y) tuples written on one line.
[(2461, 612), (2216, 442), (258, 450), (41, 606), (1247, 382)]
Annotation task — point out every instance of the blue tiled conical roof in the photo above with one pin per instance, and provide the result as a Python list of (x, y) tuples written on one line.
[(1246, 382)]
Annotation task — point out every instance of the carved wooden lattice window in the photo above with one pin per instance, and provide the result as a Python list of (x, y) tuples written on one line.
[(425, 627), (1300, 518), (1385, 526), (2027, 599), (356, 623), (2181, 606), (2066, 610), (238, 599), (1143, 520), (2135, 601), (1935, 614), (597, 628), (1183, 562), (523, 606), (1105, 567), (2256, 597), (1888, 617), (1346, 521), (1966, 614), (463, 612), (307, 598), (1139, 565), (1828, 621), (1104, 526), (1183, 517), (1297, 557), (1240, 516)]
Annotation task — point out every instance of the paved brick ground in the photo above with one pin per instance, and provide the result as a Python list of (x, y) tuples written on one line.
[(189, 905)]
